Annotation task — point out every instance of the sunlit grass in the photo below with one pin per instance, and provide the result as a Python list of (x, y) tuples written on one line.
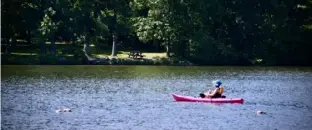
[(31, 54), (23, 54), (301, 6), (100, 52), (121, 55), (308, 27), (124, 55)]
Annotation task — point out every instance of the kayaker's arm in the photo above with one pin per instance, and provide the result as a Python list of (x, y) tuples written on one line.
[(213, 93)]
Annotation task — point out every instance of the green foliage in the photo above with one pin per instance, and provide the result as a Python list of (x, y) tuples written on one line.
[(48, 27), (202, 31)]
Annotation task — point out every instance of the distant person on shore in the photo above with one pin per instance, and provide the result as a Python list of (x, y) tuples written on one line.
[(217, 93)]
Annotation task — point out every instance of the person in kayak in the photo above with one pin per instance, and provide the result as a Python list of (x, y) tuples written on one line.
[(217, 93)]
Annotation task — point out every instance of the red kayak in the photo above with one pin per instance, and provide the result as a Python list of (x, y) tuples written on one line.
[(180, 98)]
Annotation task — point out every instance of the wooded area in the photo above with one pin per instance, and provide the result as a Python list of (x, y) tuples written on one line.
[(204, 32)]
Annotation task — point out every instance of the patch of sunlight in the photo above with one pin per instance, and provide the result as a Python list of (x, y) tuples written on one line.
[(124, 52), (101, 55), (20, 40), (259, 60), (34, 54), (301, 6), (25, 54), (155, 55), (57, 43), (309, 27), (119, 56), (62, 42), (124, 55)]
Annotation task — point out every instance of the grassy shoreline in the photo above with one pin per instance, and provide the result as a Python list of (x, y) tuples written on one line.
[(96, 59), (66, 54), (69, 60)]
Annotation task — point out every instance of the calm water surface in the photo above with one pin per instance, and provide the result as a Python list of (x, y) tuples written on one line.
[(139, 98)]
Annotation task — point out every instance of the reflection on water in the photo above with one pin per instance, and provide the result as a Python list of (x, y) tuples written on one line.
[(139, 97)]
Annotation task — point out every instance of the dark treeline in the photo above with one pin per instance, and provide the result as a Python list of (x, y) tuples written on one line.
[(215, 32)]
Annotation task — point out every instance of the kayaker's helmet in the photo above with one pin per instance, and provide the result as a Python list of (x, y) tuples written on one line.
[(217, 83)]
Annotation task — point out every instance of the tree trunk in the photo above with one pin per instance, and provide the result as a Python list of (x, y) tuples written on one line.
[(8, 46), (53, 48), (28, 37), (42, 46), (11, 45), (114, 48), (85, 49), (73, 50), (156, 43), (73, 43), (167, 49)]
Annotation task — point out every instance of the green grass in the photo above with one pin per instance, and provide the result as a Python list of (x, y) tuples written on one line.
[(30, 54), (23, 54), (121, 54), (124, 55), (308, 27)]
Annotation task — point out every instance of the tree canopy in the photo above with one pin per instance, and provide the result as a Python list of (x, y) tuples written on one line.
[(207, 32)]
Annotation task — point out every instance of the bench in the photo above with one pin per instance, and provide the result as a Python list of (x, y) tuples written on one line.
[(135, 54)]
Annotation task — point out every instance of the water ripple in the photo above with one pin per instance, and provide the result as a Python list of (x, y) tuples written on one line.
[(140, 98)]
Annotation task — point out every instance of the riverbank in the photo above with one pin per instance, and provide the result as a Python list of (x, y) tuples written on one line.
[(150, 58), (67, 54), (97, 59)]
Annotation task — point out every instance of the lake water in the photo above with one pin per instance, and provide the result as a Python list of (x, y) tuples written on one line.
[(139, 98)]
